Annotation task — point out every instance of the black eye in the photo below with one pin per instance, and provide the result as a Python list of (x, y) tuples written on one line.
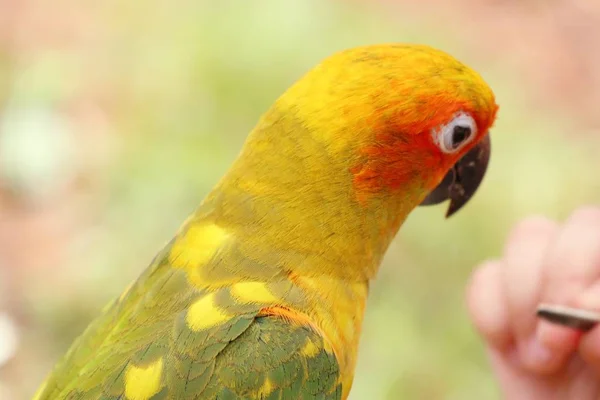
[(459, 134), (452, 136)]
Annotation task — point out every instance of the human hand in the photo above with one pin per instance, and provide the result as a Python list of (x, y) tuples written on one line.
[(543, 262)]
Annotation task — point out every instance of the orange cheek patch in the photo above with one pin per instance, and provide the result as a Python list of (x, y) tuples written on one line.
[(402, 155), (392, 163)]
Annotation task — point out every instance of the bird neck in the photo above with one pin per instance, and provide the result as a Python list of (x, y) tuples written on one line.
[(288, 194)]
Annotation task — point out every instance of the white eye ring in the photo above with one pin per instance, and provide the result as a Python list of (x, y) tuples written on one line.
[(452, 136)]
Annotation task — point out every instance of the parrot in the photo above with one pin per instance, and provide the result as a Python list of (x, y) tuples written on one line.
[(261, 293)]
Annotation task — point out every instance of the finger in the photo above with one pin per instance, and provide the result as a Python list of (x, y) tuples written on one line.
[(589, 349), (589, 299), (487, 305), (524, 253), (551, 347), (572, 264)]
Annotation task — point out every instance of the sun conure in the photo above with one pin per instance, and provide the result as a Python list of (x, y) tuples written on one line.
[(261, 293)]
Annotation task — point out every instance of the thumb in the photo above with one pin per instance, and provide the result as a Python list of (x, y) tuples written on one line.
[(487, 307)]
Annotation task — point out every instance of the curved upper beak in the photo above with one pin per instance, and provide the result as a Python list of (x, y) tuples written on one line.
[(463, 179)]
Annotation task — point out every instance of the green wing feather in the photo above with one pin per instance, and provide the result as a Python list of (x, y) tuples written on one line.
[(246, 357)]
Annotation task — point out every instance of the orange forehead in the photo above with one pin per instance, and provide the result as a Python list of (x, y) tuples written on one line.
[(422, 114), (411, 87), (423, 90)]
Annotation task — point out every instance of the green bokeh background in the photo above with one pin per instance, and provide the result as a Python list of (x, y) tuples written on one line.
[(186, 83)]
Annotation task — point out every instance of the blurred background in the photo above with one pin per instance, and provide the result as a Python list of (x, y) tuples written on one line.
[(116, 118)]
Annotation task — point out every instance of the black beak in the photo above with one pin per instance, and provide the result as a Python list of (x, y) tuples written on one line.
[(463, 179)]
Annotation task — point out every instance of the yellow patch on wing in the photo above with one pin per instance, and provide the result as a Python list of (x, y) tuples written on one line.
[(141, 383), (266, 388), (204, 314), (197, 245), (310, 349), (253, 292)]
